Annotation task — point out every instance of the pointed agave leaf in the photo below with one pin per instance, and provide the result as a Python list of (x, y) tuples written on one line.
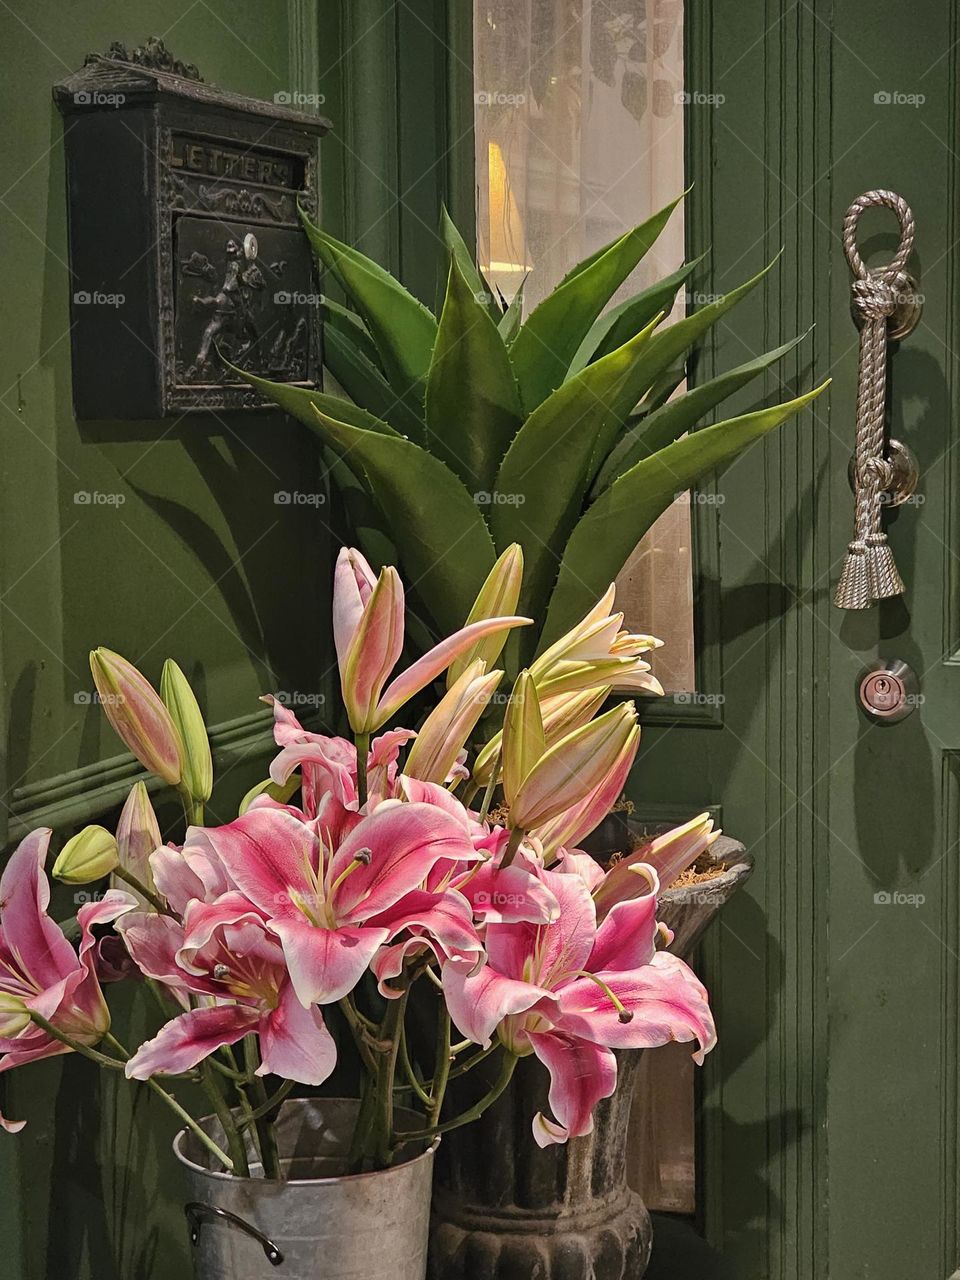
[(303, 404), (340, 319), (669, 345), (591, 258), (615, 327), (467, 264), (403, 329), (671, 420), (549, 467), (444, 543), (365, 385), (548, 340), (473, 406), (604, 539), (509, 323)]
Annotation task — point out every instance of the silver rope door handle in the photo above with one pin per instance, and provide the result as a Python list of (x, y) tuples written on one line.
[(887, 307)]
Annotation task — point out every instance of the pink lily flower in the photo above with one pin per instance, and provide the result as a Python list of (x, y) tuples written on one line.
[(224, 952), (368, 630), (333, 908), (39, 970), (573, 993), (328, 765), (495, 894)]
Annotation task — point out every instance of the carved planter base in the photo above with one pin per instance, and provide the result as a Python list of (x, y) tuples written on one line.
[(505, 1209)]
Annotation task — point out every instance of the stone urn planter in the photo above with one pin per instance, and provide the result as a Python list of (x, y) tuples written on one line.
[(505, 1209)]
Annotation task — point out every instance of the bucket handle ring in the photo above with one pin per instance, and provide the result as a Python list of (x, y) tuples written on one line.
[(196, 1212)]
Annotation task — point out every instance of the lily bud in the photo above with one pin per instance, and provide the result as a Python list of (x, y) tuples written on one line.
[(497, 597), (524, 743), (668, 855), (137, 713), (576, 767), (448, 726), (596, 651), (138, 835), (89, 855), (196, 762), (562, 713), (374, 647)]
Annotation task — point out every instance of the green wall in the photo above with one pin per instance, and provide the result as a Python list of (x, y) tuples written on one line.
[(192, 559)]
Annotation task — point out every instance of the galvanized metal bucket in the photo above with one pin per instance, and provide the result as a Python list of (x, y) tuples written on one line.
[(318, 1224)]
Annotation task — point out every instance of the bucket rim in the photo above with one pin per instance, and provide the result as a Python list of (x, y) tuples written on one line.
[(221, 1175)]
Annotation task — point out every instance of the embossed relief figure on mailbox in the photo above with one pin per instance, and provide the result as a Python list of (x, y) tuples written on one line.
[(182, 204)]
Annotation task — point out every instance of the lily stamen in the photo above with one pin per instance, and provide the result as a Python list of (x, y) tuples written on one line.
[(624, 1014)]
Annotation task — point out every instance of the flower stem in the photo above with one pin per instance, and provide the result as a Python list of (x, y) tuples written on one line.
[(441, 1068), (235, 1143), (85, 1051), (408, 1070), (192, 809), (139, 887), (266, 1138), (491, 787), (386, 1070), (513, 844), (271, 1104), (476, 1111), (151, 1083), (363, 750)]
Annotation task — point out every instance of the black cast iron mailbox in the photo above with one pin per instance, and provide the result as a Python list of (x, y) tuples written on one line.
[(185, 242)]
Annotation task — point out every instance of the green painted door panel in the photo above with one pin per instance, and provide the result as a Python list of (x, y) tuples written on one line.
[(830, 1126)]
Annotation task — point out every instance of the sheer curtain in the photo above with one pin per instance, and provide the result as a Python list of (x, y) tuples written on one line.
[(579, 134)]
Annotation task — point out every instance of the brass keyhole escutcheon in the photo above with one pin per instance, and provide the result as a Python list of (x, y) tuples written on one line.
[(888, 691)]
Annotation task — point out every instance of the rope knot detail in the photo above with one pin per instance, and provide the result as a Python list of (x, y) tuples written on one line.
[(869, 573)]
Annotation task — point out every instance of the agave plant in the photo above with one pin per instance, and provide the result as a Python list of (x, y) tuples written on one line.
[(481, 429)]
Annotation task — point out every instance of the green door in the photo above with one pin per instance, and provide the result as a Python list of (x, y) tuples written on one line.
[(830, 1124)]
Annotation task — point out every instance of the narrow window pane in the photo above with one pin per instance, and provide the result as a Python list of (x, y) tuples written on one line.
[(579, 136)]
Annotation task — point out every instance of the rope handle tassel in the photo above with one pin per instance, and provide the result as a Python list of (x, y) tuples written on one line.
[(869, 573)]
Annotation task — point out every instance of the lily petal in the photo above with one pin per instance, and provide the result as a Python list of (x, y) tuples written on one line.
[(326, 964), (269, 854), (478, 1003), (581, 1074), (35, 942), (436, 660), (666, 999), (400, 843), (190, 1038), (295, 1043)]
